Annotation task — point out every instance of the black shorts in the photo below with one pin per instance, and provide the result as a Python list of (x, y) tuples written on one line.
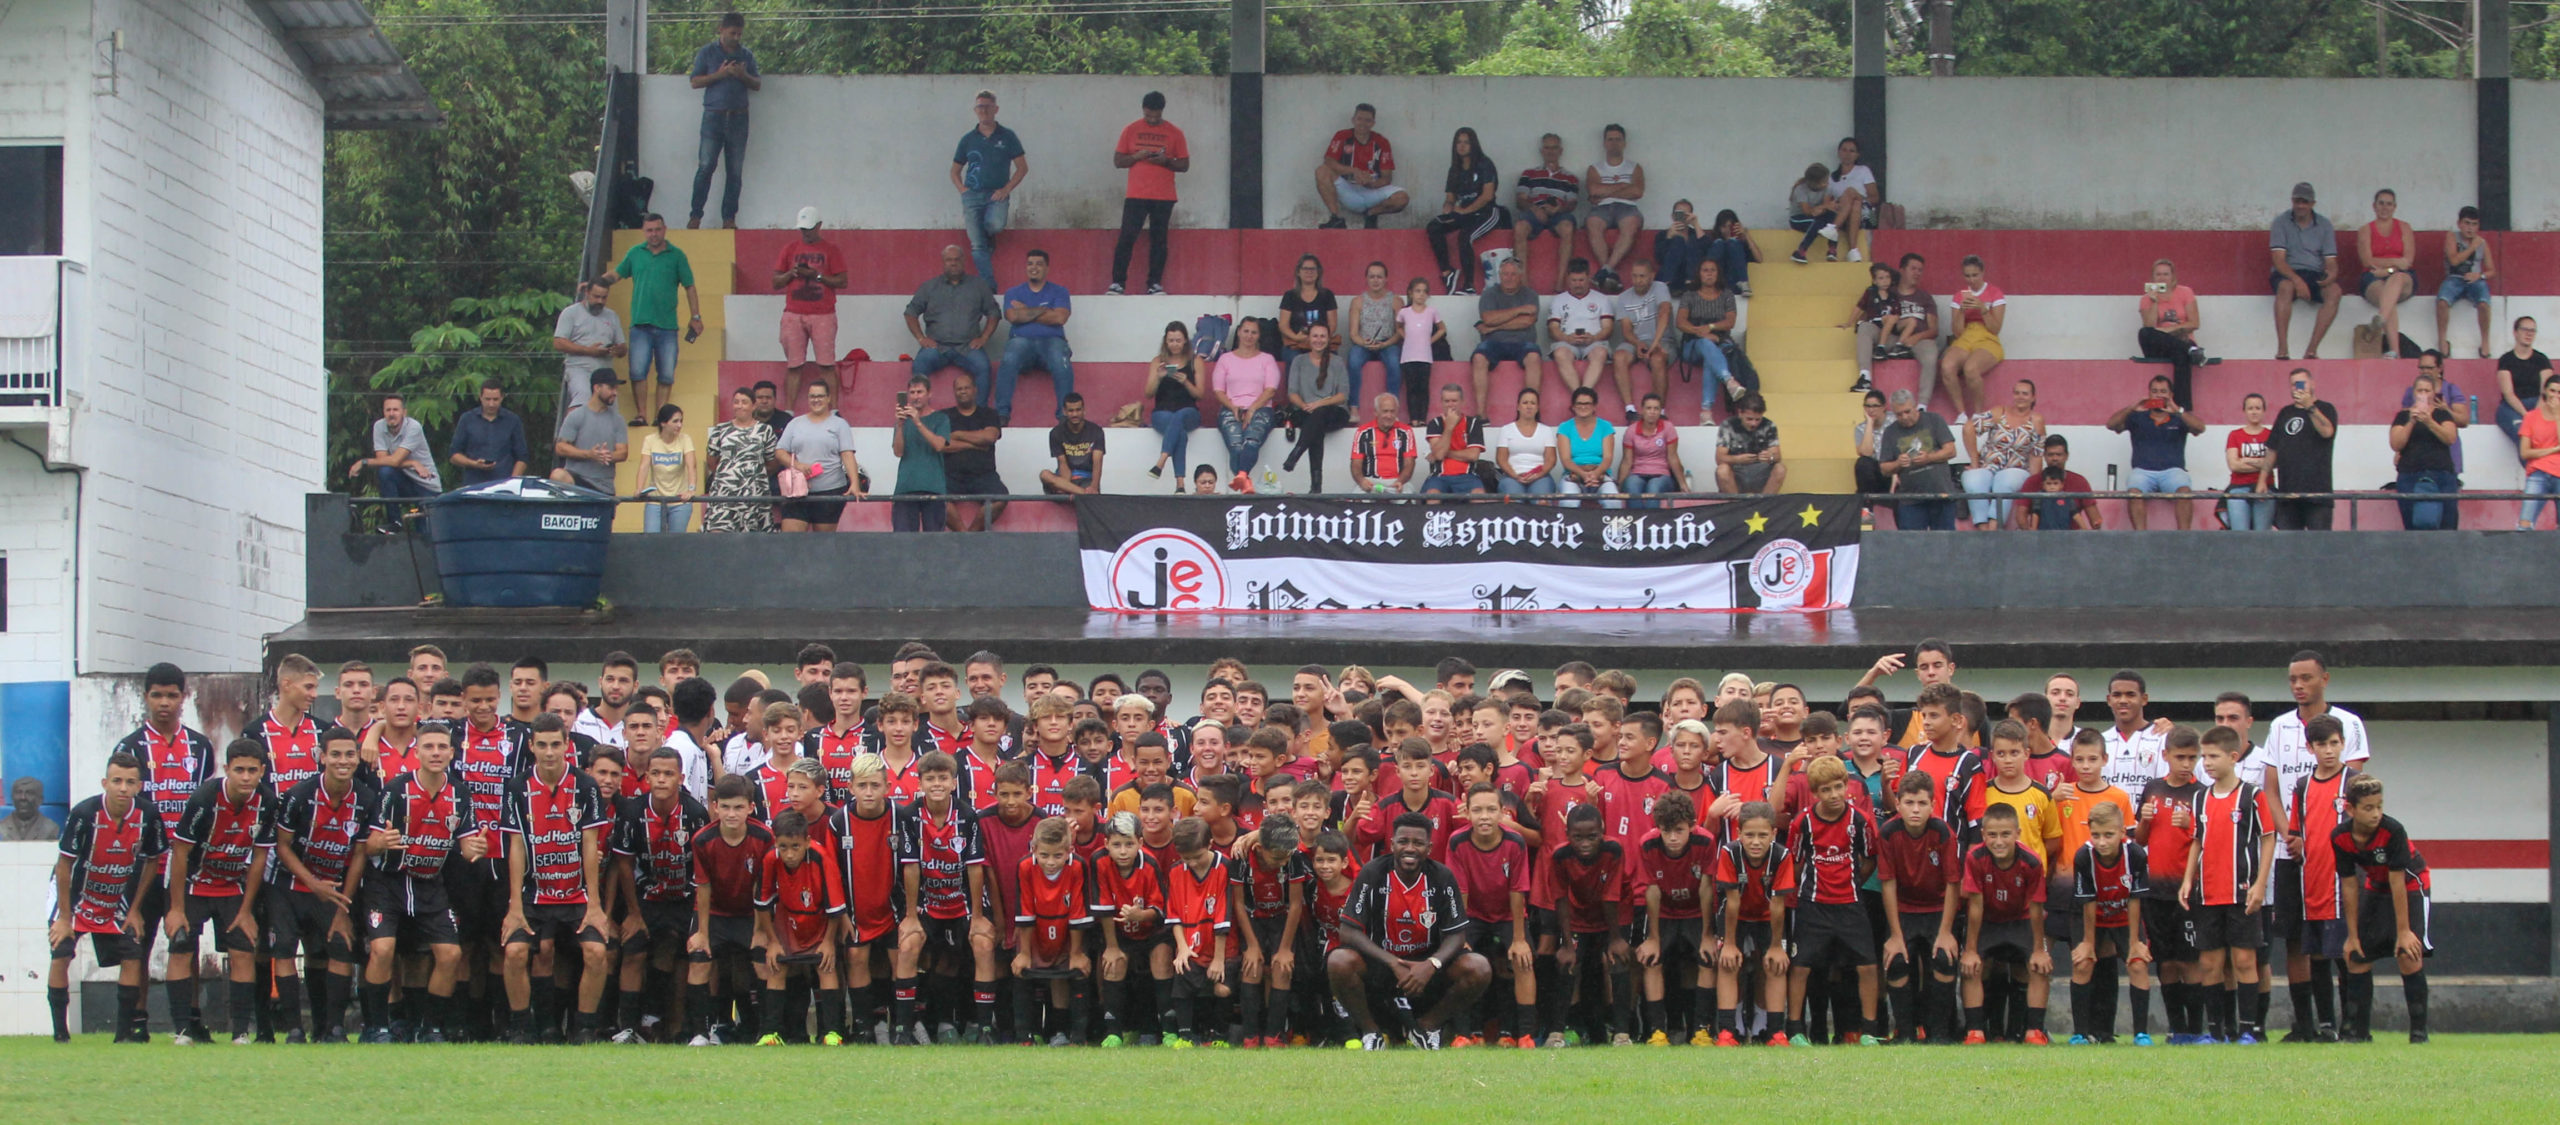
[(2008, 943), (222, 911), (416, 912), (479, 901), (663, 925), (2378, 933), (820, 509), (1753, 937), (1682, 938), (155, 910), (2169, 929), (964, 483), (2227, 927), (2320, 938), (1381, 987), (730, 937), (1833, 935), (945, 933), (111, 950), (2313, 278), (1919, 937), (2283, 911), (298, 922), (2062, 911), (2113, 941), (1266, 932), (556, 923)]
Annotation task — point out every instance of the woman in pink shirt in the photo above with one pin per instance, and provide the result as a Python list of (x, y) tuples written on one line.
[(1243, 384), (2169, 327), (1652, 461)]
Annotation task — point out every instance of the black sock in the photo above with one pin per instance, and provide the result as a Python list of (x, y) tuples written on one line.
[(2104, 1002), (1526, 1017), (242, 999), (1185, 1009), (1248, 1012), (830, 1011), (1275, 1017), (58, 997), (1655, 1018), (983, 1003), (773, 1009), (1114, 994), (332, 992), (1173, 1012), (2035, 1018), (128, 1003), (2253, 1010), (1025, 1025), (288, 1003), (902, 1005), (2298, 993), (546, 1006), (627, 1009), (2355, 1004), (1729, 1019), (2226, 1012), (697, 1006), (182, 1001), (2413, 986), (375, 1002), (1974, 1018), (2084, 1023), (1622, 1003), (2324, 998), (2141, 1010)]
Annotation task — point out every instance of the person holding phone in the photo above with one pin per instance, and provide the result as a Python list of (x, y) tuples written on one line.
[(1729, 244), (1980, 311), (2306, 434), (738, 449), (2467, 270), (2159, 426), (2169, 323), (1680, 247), (922, 436), (1173, 382), (2423, 437), (2245, 453)]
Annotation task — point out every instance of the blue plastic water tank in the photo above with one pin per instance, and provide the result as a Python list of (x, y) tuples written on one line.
[(520, 543)]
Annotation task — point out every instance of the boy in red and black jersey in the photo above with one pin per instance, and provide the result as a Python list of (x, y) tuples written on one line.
[(175, 759), (845, 737), (728, 863), (1415, 771), (1492, 867), (2004, 890), (1586, 887), (1200, 908), (2108, 877), (942, 863), (864, 829), (799, 901), (1005, 827), (653, 863), (1054, 909), (2383, 882), (2226, 884), (772, 780), (1404, 934), (1270, 893), (319, 824), (111, 845), (900, 746), (2167, 821), (1954, 768), (292, 739), (487, 751), (2318, 807), (1921, 863), (1129, 899), (984, 754), (1834, 842), (1675, 864), (421, 828), (1744, 771), (556, 820), (1757, 878), (1565, 788), (1632, 785), (217, 865)]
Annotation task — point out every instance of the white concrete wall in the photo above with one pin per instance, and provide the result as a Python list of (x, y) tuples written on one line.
[(2533, 171), (874, 152), (36, 512), (2111, 154)]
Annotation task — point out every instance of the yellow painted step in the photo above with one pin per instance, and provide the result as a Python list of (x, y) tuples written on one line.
[(1803, 376), (1833, 475), (1816, 425), (1798, 310), (1796, 343), (1834, 279)]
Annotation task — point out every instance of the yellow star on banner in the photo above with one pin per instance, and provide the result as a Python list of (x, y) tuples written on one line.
[(1757, 523), (1812, 516)]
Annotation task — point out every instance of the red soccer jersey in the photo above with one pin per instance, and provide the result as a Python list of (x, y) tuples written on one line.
[(1049, 778), (1774, 877), (293, 753), (1922, 865), (1832, 853), (1054, 906), (1630, 804), (223, 837), (107, 854), (2389, 849), (948, 741), (1262, 887), (1514, 780), (172, 767), (731, 871), (2053, 771), (1373, 830), (2006, 890), (867, 861), (2164, 841), (1324, 907), (802, 897), (431, 825), (325, 829), (1197, 901), (658, 843), (2110, 882), (943, 847), (1116, 892), (392, 760), (977, 778), (835, 754), (2319, 807), (1006, 846), (771, 789), (1374, 156), (1557, 801), (905, 784), (552, 819), (483, 764), (2228, 828), (1745, 783), (1582, 889), (1487, 877), (1681, 878), (1953, 778)]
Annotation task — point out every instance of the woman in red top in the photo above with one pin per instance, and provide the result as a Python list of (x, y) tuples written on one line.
[(2247, 455), (2387, 248), (1980, 312)]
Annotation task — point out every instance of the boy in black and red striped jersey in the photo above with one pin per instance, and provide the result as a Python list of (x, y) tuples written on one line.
[(1415, 772), (2319, 805), (653, 863), (942, 864), (938, 707), (1198, 904), (485, 757), (2226, 884), (1005, 827), (772, 779), (217, 865), (291, 737), (846, 736), (989, 720), (1585, 886), (1757, 878), (799, 902), (899, 746), (556, 820), (422, 827), (1675, 864), (1049, 921), (1492, 865), (1478, 764), (2108, 877), (1129, 899), (1952, 766), (864, 830), (1744, 772), (728, 862), (2167, 815), (111, 845), (1270, 895), (319, 824), (2384, 883), (389, 743), (1222, 808), (175, 759), (2004, 892), (1834, 842), (1921, 864)]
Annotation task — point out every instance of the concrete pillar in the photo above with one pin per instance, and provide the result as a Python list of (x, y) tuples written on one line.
[(1867, 86), (2492, 63), (626, 36), (1244, 115)]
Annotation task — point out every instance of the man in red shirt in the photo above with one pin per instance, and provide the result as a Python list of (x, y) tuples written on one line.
[(1357, 174), (808, 273), (1152, 149)]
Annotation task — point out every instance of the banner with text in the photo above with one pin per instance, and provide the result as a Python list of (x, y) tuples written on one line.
[(1158, 554)]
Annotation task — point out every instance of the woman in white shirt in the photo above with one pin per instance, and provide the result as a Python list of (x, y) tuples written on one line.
[(1528, 462)]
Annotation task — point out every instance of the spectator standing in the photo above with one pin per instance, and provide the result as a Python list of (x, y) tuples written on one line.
[(2001, 447), (403, 466), (951, 316), (656, 269), (2246, 453), (2539, 444), (489, 443), (1644, 316), (1732, 248), (670, 470), (986, 167), (2468, 267), (589, 333), (1421, 336), (1748, 461), (1527, 449), (1546, 196), (1980, 311), (1705, 318), (1075, 448), (1153, 150), (1587, 445), (1470, 209), (922, 436), (1307, 303), (1615, 184), (1383, 453), (1174, 381), (1319, 398), (1243, 385), (739, 450), (1455, 444), (2169, 323), (1652, 462), (2303, 247), (725, 71), (2422, 436), (808, 275), (2060, 514), (2521, 373), (1680, 246), (969, 453), (2159, 426), (2389, 250), (1038, 310), (1578, 323), (1369, 326), (1357, 174), (2306, 434), (1506, 327), (592, 439), (1914, 450), (819, 446)]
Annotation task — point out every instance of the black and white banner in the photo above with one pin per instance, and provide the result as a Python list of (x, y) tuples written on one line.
[(1161, 554)]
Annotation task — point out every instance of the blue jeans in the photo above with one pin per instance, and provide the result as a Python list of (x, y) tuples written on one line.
[(1175, 426), (653, 346), (1714, 368), (1452, 482), (1357, 359), (1925, 515), (1244, 436), (666, 517), (984, 219), (394, 483), (2539, 484), (1641, 485), (1607, 487), (1732, 257), (1543, 486), (2511, 423), (724, 141), (2247, 515), (1986, 479), (2426, 515), (1679, 257), (1045, 353), (932, 361)]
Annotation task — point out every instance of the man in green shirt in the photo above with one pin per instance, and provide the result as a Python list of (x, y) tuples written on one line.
[(918, 444), (656, 270)]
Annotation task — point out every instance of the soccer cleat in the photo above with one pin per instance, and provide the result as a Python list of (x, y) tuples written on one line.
[(1727, 1038), (1218, 1045), (1974, 1038), (296, 1038), (627, 1035), (2207, 1041), (1150, 1039), (432, 1034), (1779, 1039), (2416, 1037), (771, 1039), (1177, 1043), (1622, 1039), (833, 1039), (1112, 1041), (376, 1035), (979, 1035), (583, 1036), (1058, 1040), (946, 1033), (1250, 1043), (1555, 1040), (1701, 1038), (2246, 1040), (2037, 1038), (240, 1040), (1372, 1041), (1870, 1041), (1657, 1039), (918, 1036), (1297, 1039), (2298, 1035), (2079, 1041), (699, 1041), (1426, 1038)]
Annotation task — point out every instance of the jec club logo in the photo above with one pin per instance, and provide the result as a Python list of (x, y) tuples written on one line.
[(1164, 569), (1781, 570)]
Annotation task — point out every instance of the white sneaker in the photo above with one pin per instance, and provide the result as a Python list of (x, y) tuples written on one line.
[(626, 1035), (699, 1041), (1962, 418), (1427, 1040), (1830, 232), (1373, 1042), (1855, 256)]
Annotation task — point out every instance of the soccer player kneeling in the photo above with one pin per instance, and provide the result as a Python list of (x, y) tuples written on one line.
[(1403, 938), (2004, 913), (799, 902)]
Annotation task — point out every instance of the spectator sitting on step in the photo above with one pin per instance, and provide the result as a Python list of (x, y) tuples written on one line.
[(1319, 398), (1368, 328), (1914, 450), (1614, 184), (1748, 461), (1731, 246), (1304, 305), (2520, 373), (1678, 247), (2059, 514), (592, 438), (2467, 270), (1651, 463), (1470, 208), (1644, 315), (2388, 249), (950, 317), (1579, 320), (1153, 150), (1038, 310), (1919, 312), (403, 466), (808, 274), (986, 167), (1846, 205), (1175, 379), (2001, 447), (1506, 327), (1877, 322), (1454, 441), (1242, 387), (1705, 319), (1980, 311), (1075, 445), (1526, 451), (2169, 323), (1383, 453), (2159, 426), (1546, 195), (1587, 445), (2303, 248), (1357, 174)]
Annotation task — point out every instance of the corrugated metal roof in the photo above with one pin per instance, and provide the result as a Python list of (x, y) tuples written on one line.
[(361, 77)]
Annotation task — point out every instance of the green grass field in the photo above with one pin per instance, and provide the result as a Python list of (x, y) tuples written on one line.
[(2472, 1078)]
